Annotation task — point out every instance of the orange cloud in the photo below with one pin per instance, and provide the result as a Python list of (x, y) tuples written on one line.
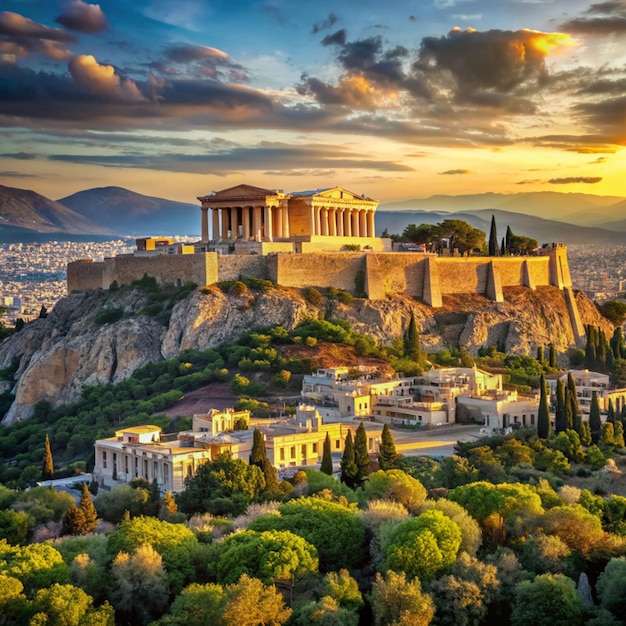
[(102, 79), (547, 43)]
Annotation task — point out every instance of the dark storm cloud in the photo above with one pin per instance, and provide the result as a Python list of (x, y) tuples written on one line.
[(591, 180), (600, 19), (82, 17), (492, 60), (282, 156), (339, 38), (329, 22)]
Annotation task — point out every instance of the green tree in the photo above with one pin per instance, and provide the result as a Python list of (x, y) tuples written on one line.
[(387, 455), (334, 529), (349, 469), (81, 519), (471, 535), (361, 455), (343, 588), (560, 418), (614, 311), (13, 602), (395, 485), (174, 542), (196, 605), (610, 587), (36, 565), (548, 600), (610, 414), (540, 354), (544, 426), (585, 434), (327, 460), (14, 526), (424, 546), (250, 603), (66, 605), (397, 601), (552, 355), (139, 585), (462, 235), (258, 453), (573, 400), (493, 238), (48, 463), (222, 486), (595, 422), (267, 555), (412, 346)]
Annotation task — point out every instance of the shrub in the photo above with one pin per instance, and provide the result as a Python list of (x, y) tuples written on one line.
[(109, 316), (313, 296)]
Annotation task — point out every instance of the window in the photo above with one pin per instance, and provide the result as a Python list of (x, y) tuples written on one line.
[(532, 420), (303, 450), (337, 444), (314, 448), (104, 459), (282, 454), (136, 467), (126, 465), (292, 452)]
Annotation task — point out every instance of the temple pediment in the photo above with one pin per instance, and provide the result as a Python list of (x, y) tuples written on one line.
[(242, 191), (332, 193)]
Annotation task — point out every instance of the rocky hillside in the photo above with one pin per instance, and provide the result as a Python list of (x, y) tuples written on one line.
[(60, 354)]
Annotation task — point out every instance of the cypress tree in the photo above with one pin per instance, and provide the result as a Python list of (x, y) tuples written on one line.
[(585, 434), (601, 351), (48, 462), (387, 454), (361, 455), (327, 459), (595, 423), (590, 349), (272, 484), (617, 343), (610, 414), (154, 499), (412, 347), (560, 418), (619, 435), (552, 356), (569, 411), (502, 248), (88, 510), (508, 239), (258, 453), (577, 417), (493, 238), (544, 427), (540, 355), (349, 469)]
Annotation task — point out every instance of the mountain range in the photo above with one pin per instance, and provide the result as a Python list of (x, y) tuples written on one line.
[(114, 211)]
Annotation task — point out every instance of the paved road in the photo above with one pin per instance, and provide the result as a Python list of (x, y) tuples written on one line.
[(433, 442)]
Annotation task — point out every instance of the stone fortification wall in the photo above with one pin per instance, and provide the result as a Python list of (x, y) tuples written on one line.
[(84, 275), (395, 272), (232, 266), (318, 270)]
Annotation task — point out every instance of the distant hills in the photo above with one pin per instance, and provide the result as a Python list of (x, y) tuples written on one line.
[(128, 213), (114, 211), (24, 210)]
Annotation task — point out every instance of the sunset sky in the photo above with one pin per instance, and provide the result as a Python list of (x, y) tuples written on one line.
[(397, 99)]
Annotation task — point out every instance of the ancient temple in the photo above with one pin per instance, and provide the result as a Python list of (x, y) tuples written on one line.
[(331, 216)]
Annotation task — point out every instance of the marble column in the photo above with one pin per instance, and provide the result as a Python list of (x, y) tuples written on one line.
[(234, 223), (269, 230), (256, 222), (362, 223), (245, 220), (318, 221), (279, 222), (225, 222), (215, 234), (324, 217), (285, 213), (205, 223), (332, 221), (355, 224), (371, 231), (347, 223), (312, 220), (340, 213)]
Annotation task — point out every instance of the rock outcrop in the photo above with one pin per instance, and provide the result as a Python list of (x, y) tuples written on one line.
[(59, 355)]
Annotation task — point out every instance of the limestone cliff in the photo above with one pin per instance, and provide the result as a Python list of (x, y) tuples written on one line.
[(60, 354)]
